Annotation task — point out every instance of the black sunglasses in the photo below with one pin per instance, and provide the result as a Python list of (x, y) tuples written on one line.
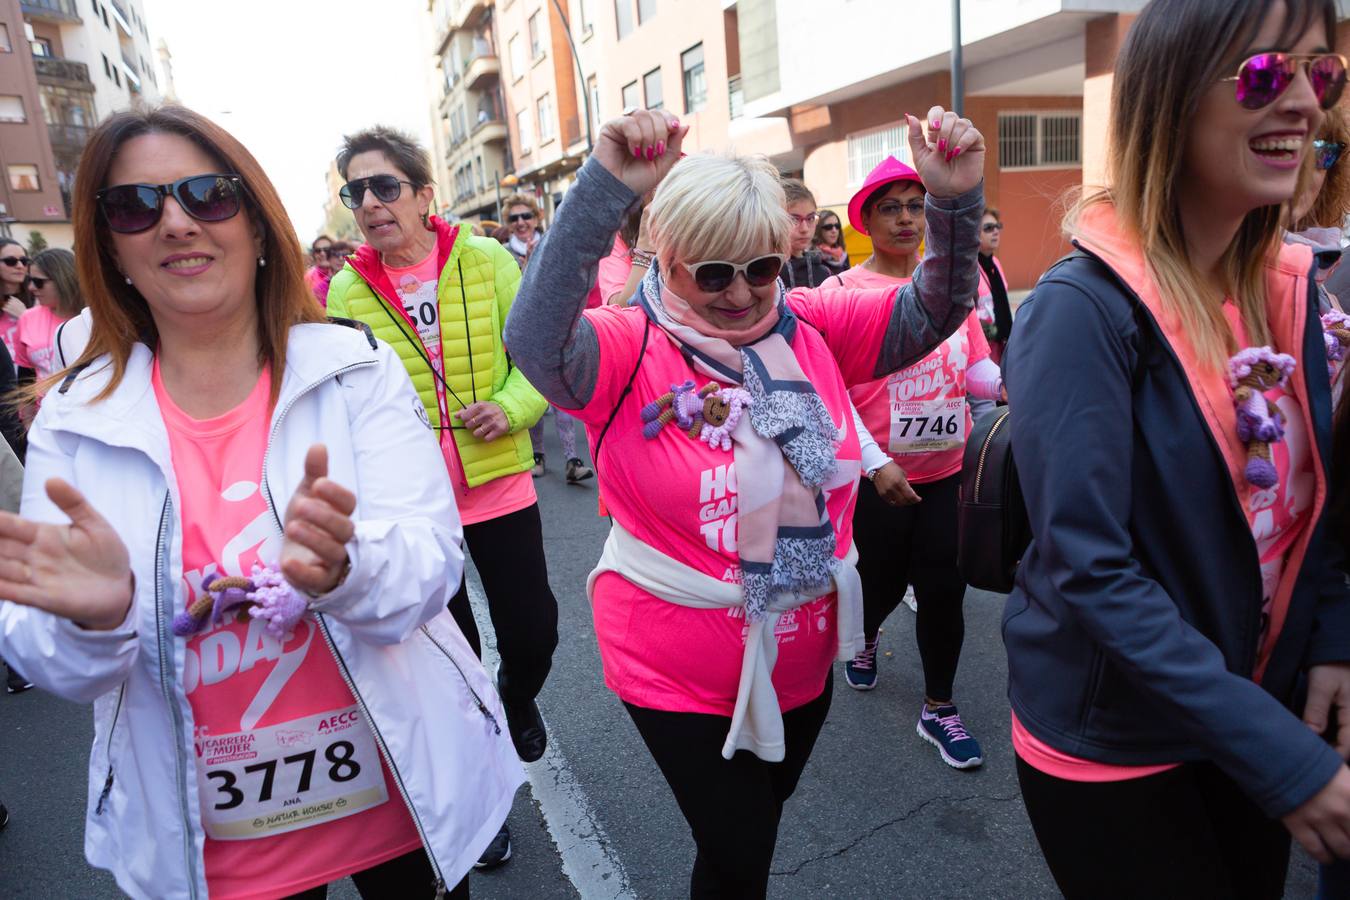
[(386, 189), (991, 227), (520, 217), (714, 276), (829, 225), (15, 261), (37, 282), (132, 208)]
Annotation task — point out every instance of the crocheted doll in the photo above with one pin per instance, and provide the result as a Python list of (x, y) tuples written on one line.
[(1252, 372), (271, 598), (1336, 333), (709, 414)]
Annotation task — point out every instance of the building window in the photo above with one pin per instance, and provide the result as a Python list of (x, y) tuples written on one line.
[(583, 17), (11, 108), (646, 10), (631, 100), (41, 47), (1040, 140), (546, 118), (695, 82), (107, 68), (866, 150), (117, 77), (623, 17), (593, 92), (523, 130), (536, 38), (735, 96), (515, 51), (104, 12), (5, 45), (651, 89), (24, 177)]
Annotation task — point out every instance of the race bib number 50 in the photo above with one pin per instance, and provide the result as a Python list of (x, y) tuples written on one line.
[(928, 426), (290, 776)]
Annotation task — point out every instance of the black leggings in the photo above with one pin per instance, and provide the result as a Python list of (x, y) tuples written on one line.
[(509, 554), (409, 875), (732, 806), (1187, 832), (915, 545)]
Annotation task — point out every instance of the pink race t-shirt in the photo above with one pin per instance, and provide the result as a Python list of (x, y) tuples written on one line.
[(294, 792), (417, 291), (679, 495), (1276, 517), (33, 347), (612, 275), (318, 281), (9, 329), (919, 415)]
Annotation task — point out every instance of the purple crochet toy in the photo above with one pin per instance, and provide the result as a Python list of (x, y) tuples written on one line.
[(1336, 333), (708, 414), (1252, 372), (266, 595)]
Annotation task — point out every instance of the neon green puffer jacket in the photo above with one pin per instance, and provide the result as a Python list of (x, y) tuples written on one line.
[(472, 314)]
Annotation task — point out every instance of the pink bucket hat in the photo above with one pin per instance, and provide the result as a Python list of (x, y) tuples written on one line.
[(889, 170)]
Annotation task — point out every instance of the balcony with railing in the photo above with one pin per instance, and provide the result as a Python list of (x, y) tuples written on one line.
[(123, 18), (483, 63), (56, 11), (68, 138), (66, 73)]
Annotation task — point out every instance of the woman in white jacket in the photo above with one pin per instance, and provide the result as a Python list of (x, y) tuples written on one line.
[(238, 540)]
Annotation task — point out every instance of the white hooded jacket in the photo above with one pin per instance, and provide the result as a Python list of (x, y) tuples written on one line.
[(434, 712)]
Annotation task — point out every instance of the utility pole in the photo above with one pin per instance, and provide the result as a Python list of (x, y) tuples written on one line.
[(581, 76), (958, 64)]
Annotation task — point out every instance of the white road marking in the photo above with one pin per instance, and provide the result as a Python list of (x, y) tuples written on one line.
[(588, 858)]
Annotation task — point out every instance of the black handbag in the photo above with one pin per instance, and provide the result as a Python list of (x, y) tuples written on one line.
[(993, 530)]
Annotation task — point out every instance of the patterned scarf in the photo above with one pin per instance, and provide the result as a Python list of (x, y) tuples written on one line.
[(784, 449)]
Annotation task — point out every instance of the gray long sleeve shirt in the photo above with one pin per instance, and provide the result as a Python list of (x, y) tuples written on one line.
[(559, 352)]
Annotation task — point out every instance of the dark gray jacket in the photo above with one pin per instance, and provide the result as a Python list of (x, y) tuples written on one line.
[(1132, 634)]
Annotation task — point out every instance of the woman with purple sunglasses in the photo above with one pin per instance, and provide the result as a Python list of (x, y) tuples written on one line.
[(1171, 421)]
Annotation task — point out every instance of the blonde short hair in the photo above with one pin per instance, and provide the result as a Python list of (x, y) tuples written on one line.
[(719, 207)]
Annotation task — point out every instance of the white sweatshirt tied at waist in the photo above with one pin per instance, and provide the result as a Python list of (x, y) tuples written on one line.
[(757, 719)]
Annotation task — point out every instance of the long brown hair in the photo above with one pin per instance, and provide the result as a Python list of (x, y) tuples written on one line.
[(60, 268), (1175, 51), (121, 317)]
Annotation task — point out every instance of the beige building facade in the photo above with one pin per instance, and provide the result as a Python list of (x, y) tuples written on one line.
[(87, 60)]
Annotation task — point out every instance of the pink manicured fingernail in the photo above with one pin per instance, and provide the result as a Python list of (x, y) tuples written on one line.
[(637, 153), (661, 148), (942, 144), (937, 123), (651, 152), (950, 156), (674, 124), (957, 153)]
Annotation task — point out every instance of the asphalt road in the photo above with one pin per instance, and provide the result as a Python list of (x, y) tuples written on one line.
[(877, 815)]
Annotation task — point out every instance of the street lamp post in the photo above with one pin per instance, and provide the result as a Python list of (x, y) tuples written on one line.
[(958, 63)]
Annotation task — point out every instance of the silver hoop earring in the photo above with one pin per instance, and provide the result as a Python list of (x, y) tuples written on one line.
[(128, 279), (262, 263)]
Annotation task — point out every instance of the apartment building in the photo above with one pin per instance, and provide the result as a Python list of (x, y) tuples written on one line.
[(87, 59), (470, 141), (820, 86), (546, 85), (680, 56)]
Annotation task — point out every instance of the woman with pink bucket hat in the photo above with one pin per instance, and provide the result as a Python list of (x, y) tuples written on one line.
[(905, 529)]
